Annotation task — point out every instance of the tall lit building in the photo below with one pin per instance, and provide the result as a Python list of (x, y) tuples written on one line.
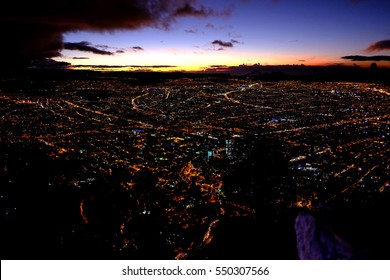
[(229, 148)]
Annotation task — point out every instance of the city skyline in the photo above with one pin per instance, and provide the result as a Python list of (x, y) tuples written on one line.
[(196, 35)]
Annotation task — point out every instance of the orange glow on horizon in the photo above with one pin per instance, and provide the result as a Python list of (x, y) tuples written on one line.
[(174, 60)]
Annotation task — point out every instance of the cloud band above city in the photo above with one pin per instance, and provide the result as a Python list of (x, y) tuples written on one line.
[(35, 29)]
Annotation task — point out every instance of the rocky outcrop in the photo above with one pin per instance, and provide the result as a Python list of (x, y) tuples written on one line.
[(345, 231), (316, 240)]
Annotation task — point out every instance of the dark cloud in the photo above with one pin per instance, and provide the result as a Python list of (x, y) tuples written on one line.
[(222, 43), (105, 47), (120, 51), (367, 58), (233, 35), (218, 28), (153, 66), (225, 44), (100, 66), (33, 29), (85, 47), (379, 46), (124, 67), (137, 48), (235, 41), (188, 9), (23, 42), (48, 63), (192, 31)]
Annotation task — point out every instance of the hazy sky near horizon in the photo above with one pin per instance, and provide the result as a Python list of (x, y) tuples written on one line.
[(192, 34)]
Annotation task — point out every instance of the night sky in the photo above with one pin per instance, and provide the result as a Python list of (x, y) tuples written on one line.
[(193, 35)]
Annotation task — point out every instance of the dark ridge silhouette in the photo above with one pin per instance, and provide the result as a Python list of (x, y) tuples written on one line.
[(36, 214), (46, 215)]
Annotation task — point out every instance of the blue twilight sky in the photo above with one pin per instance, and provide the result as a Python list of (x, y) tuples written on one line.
[(236, 32)]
